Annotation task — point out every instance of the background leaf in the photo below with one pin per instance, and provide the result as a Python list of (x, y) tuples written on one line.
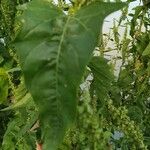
[(4, 85), (147, 50), (103, 77)]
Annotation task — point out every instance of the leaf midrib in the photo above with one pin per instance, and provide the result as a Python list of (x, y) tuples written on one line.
[(57, 59), (61, 42)]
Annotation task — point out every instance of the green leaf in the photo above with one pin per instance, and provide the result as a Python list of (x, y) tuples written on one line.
[(54, 49), (147, 51), (18, 132), (21, 97), (138, 10), (5, 117), (135, 113), (20, 103), (103, 77), (125, 79), (3, 86), (1, 59)]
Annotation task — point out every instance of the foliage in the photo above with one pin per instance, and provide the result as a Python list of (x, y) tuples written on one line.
[(53, 77), (74, 93), (18, 134)]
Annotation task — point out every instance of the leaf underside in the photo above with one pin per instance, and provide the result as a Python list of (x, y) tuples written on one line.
[(54, 49)]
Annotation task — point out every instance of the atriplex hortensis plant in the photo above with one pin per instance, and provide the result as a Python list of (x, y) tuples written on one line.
[(54, 49)]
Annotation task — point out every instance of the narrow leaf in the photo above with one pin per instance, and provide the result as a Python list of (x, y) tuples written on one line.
[(147, 51), (3, 86), (20, 103)]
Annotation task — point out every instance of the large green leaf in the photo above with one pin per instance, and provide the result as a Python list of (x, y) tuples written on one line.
[(54, 49)]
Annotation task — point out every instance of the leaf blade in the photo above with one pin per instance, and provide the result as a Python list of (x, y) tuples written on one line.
[(53, 76)]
